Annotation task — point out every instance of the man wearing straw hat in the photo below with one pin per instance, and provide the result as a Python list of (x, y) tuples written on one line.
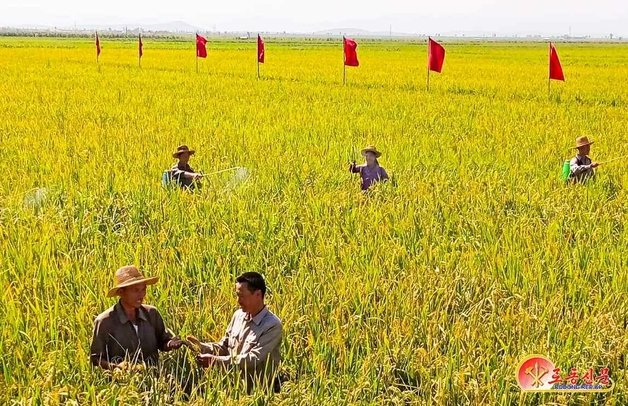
[(253, 338), (581, 167), (370, 172), (182, 172), (130, 330)]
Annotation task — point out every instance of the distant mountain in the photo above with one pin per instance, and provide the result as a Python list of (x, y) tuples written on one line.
[(172, 26), (361, 33), (29, 27), (342, 31)]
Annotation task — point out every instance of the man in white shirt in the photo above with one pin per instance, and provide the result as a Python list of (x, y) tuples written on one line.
[(253, 338)]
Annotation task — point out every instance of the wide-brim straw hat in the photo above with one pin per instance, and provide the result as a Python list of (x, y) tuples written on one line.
[(128, 276), (181, 149), (582, 142), (372, 149)]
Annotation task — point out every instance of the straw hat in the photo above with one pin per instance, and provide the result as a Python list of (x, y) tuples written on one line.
[(372, 149), (181, 149), (128, 276), (582, 142)]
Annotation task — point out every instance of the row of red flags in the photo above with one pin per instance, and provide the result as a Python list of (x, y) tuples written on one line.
[(435, 54), (140, 46)]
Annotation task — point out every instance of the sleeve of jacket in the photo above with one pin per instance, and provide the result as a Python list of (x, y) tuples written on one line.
[(98, 347), (353, 168), (177, 173), (220, 347), (575, 169), (164, 335)]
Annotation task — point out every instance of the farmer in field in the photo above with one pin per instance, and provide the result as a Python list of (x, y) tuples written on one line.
[(130, 332), (370, 172), (581, 168), (252, 341), (182, 172)]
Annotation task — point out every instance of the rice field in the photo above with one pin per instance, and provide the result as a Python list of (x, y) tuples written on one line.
[(428, 290)]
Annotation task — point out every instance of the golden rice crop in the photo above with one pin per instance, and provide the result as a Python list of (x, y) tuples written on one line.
[(427, 291)]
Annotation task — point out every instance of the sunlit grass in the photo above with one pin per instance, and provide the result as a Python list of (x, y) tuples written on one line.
[(427, 291)]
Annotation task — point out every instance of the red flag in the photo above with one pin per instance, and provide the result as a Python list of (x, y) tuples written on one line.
[(351, 55), (435, 56), (97, 46), (141, 45), (260, 49), (555, 70), (201, 51)]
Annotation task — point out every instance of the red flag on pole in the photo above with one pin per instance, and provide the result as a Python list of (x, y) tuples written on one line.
[(435, 56), (555, 70), (261, 51), (351, 55), (97, 45), (140, 46), (201, 51)]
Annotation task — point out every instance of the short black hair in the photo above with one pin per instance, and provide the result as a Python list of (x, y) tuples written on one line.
[(254, 281)]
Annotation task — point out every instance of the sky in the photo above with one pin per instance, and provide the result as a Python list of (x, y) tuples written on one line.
[(505, 17)]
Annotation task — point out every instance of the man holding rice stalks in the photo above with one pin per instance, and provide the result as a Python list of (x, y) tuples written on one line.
[(130, 332), (252, 341)]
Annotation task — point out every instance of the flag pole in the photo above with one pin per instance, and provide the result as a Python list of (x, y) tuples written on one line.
[(98, 52), (428, 63), (344, 64), (549, 68), (196, 50), (139, 55), (257, 56)]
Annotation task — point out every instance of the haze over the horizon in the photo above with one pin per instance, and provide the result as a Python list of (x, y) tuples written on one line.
[(505, 17)]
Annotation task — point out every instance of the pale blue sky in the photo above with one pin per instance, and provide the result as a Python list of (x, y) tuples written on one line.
[(545, 17)]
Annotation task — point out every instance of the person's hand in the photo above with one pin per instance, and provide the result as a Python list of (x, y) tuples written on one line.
[(175, 344), (193, 344), (122, 366), (595, 164), (197, 176), (125, 367), (205, 360), (194, 340)]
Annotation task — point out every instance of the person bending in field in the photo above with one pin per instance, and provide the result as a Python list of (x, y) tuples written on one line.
[(370, 172), (581, 168), (252, 341), (182, 172), (130, 332)]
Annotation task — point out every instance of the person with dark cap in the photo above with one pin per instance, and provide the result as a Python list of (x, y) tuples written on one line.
[(182, 172)]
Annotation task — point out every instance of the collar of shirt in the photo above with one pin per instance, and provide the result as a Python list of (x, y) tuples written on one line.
[(258, 317), (582, 157), (122, 314)]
